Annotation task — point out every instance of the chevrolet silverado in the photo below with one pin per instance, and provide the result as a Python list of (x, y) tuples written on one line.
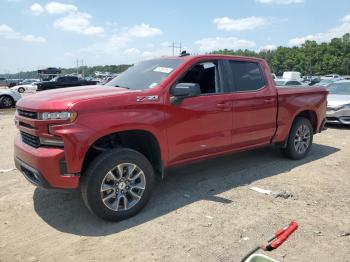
[(112, 141)]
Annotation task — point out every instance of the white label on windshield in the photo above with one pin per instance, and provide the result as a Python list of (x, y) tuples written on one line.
[(165, 70)]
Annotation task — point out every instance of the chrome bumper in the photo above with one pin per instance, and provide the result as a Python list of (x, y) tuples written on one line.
[(341, 116)]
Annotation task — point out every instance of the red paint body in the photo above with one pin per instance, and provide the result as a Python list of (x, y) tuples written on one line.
[(198, 128)]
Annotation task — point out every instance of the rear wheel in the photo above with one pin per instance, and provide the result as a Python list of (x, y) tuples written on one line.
[(21, 90), (6, 101), (117, 184), (300, 139)]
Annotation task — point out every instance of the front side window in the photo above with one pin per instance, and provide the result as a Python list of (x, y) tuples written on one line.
[(205, 74), (247, 76), (146, 74)]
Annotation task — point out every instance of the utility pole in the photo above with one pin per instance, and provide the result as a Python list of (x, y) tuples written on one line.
[(77, 65), (174, 46)]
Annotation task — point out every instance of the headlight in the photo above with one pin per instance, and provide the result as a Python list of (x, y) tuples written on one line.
[(71, 116)]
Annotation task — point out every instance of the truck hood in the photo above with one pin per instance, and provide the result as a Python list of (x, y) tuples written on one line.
[(63, 98), (338, 100)]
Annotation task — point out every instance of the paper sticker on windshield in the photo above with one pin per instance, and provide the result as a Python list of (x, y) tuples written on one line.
[(165, 70)]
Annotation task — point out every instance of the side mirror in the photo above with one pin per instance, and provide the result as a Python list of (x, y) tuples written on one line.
[(183, 90)]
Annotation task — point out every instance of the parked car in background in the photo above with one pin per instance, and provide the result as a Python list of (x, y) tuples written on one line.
[(311, 80), (287, 82), (292, 75), (29, 81), (326, 82), (8, 98), (13, 82), (63, 81), (25, 88), (332, 76), (3, 82), (113, 140), (338, 108)]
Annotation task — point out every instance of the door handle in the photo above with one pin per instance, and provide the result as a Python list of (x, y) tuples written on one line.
[(224, 106), (269, 100)]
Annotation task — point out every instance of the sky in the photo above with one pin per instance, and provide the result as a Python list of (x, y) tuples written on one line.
[(37, 34)]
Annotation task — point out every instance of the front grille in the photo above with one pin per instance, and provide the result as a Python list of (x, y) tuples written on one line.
[(29, 114), (30, 140), (26, 125)]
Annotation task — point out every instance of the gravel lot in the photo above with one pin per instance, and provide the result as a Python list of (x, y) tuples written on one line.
[(201, 212)]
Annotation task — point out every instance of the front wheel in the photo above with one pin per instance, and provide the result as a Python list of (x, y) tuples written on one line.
[(21, 90), (300, 139), (118, 184)]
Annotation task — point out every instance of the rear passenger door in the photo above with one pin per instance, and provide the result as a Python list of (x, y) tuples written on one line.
[(254, 104)]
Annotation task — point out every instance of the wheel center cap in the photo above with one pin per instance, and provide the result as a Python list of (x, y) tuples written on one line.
[(121, 185)]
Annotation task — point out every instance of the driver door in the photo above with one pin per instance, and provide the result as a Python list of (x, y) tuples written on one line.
[(200, 125)]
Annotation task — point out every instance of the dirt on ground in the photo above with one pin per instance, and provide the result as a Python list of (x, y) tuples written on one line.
[(200, 212)]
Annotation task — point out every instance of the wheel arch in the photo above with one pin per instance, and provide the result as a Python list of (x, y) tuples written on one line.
[(141, 140)]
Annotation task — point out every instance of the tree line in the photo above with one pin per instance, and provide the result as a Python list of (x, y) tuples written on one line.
[(310, 58), (85, 70)]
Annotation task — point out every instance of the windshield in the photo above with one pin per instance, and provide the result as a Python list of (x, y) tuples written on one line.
[(146, 74), (55, 78), (339, 89)]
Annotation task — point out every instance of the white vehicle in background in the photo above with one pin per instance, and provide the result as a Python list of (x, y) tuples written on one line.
[(25, 88), (338, 108), (332, 76), (29, 81), (8, 98), (288, 82), (292, 75)]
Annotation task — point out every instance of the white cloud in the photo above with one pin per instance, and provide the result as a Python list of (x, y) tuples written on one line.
[(59, 8), (144, 30), (346, 19), (8, 33), (132, 51), (36, 9), (32, 38), (242, 24), (325, 36), (280, 2), (215, 43), (268, 47), (78, 22)]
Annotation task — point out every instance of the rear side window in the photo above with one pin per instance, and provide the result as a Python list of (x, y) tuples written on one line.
[(247, 76)]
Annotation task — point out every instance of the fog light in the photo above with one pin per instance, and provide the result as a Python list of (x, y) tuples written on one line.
[(51, 142)]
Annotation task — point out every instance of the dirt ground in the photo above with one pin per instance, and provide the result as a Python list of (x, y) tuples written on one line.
[(201, 212)]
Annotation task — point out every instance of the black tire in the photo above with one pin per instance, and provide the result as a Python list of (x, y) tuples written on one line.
[(6, 102), (291, 150), (92, 179), (21, 90)]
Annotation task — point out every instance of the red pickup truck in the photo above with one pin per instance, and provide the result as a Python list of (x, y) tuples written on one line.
[(112, 141)]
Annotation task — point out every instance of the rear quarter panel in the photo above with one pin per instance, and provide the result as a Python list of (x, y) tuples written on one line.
[(294, 100)]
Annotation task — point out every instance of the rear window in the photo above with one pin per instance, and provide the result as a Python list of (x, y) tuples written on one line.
[(247, 76)]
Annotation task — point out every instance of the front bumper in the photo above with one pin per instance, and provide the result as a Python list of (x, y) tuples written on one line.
[(341, 116), (42, 166)]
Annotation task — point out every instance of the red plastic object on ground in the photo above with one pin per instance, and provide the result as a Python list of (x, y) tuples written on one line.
[(278, 239)]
